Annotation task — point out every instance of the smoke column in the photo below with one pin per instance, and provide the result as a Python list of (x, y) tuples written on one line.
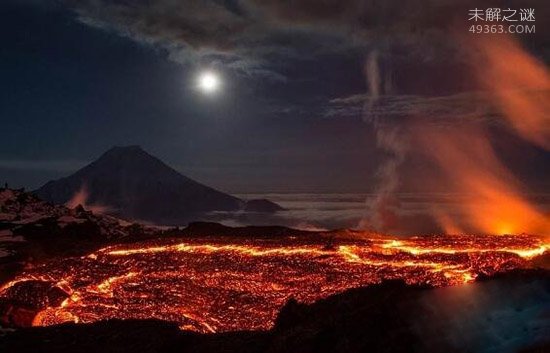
[(383, 206)]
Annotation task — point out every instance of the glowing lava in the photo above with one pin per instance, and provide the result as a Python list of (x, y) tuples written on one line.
[(210, 285)]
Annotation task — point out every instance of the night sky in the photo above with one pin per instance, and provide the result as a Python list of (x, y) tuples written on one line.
[(79, 77)]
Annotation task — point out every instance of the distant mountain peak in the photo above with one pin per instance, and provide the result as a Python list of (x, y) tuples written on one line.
[(136, 185), (133, 162), (126, 148), (126, 151)]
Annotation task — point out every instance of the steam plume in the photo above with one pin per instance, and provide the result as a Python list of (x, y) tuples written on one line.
[(81, 198), (519, 85), (495, 203), (383, 206)]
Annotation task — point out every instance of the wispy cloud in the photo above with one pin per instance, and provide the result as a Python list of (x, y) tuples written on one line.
[(264, 33), (468, 106)]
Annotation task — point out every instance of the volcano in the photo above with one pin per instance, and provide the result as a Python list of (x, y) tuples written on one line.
[(130, 183)]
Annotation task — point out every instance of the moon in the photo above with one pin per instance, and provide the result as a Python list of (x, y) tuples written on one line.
[(208, 82)]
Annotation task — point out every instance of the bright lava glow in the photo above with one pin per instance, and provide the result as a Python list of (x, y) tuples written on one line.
[(208, 82), (217, 284)]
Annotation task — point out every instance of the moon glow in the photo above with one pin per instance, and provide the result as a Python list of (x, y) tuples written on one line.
[(208, 82)]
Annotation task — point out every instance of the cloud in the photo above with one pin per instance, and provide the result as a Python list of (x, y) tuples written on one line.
[(194, 23), (260, 37), (232, 34), (468, 106)]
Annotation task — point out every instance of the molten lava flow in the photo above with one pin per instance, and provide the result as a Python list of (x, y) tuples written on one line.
[(215, 285)]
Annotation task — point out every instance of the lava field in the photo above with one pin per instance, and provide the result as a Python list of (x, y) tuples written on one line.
[(219, 284)]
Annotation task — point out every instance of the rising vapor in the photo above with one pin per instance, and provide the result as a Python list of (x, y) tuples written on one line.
[(80, 198), (519, 86), (495, 201), (496, 204), (384, 205)]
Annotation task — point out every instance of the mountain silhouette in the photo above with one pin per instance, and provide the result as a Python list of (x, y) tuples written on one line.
[(130, 183)]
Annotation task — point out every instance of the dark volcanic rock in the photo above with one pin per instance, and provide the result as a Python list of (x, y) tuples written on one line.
[(147, 336), (361, 320), (217, 229), (48, 227), (35, 230), (24, 300), (13, 314), (132, 184), (36, 294)]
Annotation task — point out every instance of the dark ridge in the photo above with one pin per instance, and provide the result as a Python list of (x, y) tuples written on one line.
[(216, 229)]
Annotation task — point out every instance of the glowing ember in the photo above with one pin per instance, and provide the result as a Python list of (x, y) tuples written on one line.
[(221, 286)]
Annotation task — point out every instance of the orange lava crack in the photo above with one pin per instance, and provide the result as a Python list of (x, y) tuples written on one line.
[(211, 285)]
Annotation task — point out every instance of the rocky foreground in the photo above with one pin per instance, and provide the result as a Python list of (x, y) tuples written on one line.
[(34, 231)]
